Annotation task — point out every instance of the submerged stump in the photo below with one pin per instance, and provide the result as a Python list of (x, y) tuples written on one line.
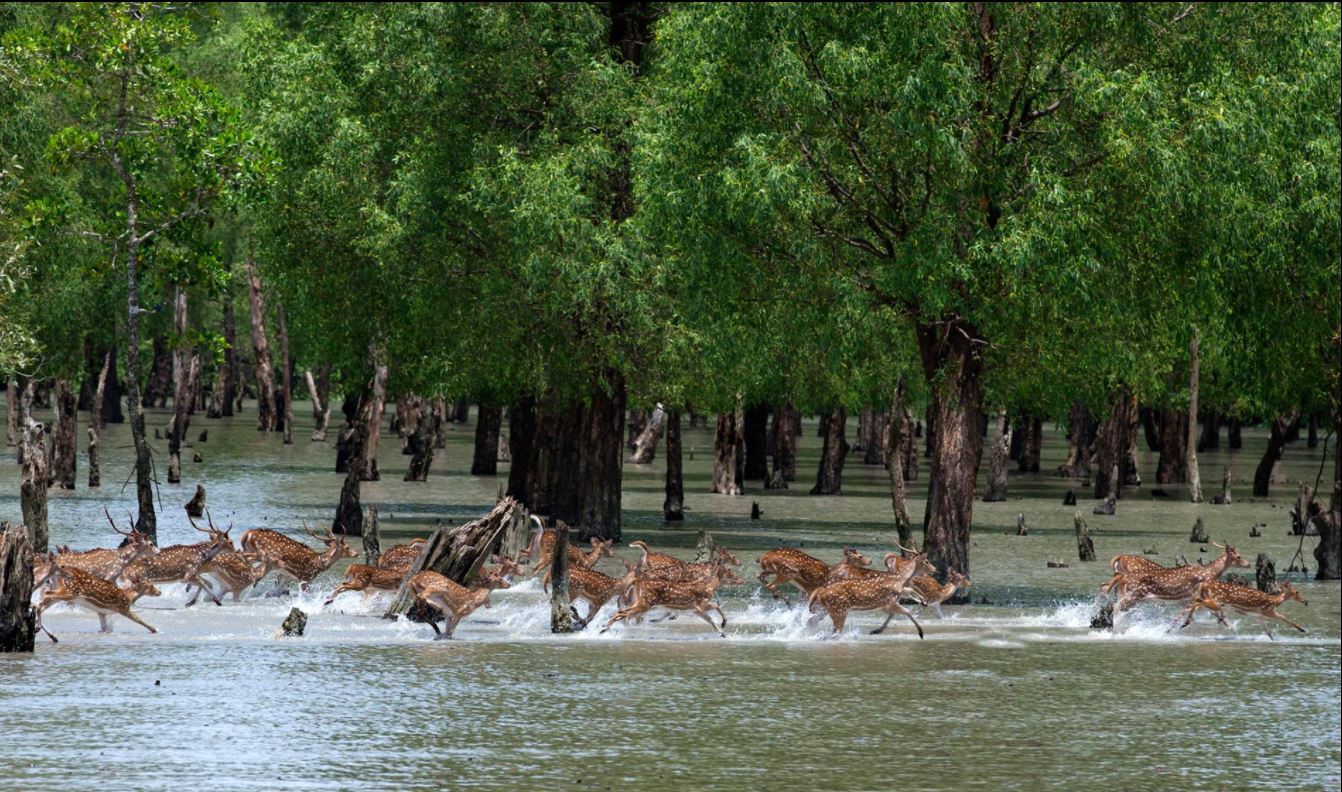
[(1084, 546), (18, 621), (1265, 574), (295, 623), (196, 506), (1199, 533)]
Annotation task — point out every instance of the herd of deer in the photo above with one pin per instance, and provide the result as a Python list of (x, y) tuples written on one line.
[(92, 579)]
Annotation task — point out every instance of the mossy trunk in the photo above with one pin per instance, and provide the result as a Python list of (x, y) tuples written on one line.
[(18, 620), (834, 451), (673, 508), (65, 437), (726, 447)]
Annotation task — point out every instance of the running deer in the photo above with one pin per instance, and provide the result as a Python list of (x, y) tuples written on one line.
[(181, 563), (651, 560), (103, 597), (680, 570), (598, 589), (1127, 565), (106, 563), (454, 600), (542, 549), (403, 556), (926, 591), (369, 580), (696, 595), (853, 565), (1173, 585), (231, 570), (879, 592), (1215, 596), (273, 550), (790, 565)]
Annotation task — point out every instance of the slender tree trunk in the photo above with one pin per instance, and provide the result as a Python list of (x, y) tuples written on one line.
[(439, 435), (96, 422), (1032, 437), (372, 429), (33, 486), (1328, 552), (321, 407), (265, 385), (1112, 447), (348, 445), (159, 386), (1235, 441), (225, 380), (286, 377), (461, 411), (1151, 428), (876, 452), (1276, 444), (829, 476), (898, 423), (488, 421), (185, 362), (998, 460), (421, 443), (11, 410), (1171, 469), (1313, 441), (908, 443), (65, 438), (637, 419), (1079, 423), (726, 442), (1194, 480), (146, 523), (645, 445), (953, 370), (673, 508)]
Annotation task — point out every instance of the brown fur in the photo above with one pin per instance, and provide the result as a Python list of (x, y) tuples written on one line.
[(454, 600), (790, 565), (1215, 596), (876, 592), (103, 597), (275, 551), (696, 595), (1173, 585)]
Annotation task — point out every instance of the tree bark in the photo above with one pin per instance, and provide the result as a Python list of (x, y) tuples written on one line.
[(834, 451), (787, 423), (998, 460), (321, 405), (461, 411), (286, 377), (65, 438), (265, 385), (726, 446), (159, 386), (1112, 447), (898, 425), (521, 445), (488, 421), (421, 443), (561, 619), (1191, 446), (1328, 552), (1032, 438), (11, 411), (953, 371), (1234, 441), (1079, 429), (181, 418), (372, 428), (33, 487), (645, 445), (634, 426), (349, 510), (18, 621), (673, 508), (1210, 440), (1276, 444), (146, 522), (876, 452), (1151, 428), (1172, 467), (226, 379), (96, 420), (439, 434), (348, 444)]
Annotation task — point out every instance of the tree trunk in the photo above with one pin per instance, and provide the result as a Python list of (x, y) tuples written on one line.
[(488, 421), (787, 423), (998, 460), (898, 425), (349, 510), (1235, 442), (461, 411), (18, 620), (829, 476), (265, 385), (372, 429), (1313, 441), (521, 445), (1032, 439), (876, 452), (635, 424), (726, 446), (421, 443), (1172, 467), (645, 446), (1151, 428), (321, 406), (1079, 423), (1276, 444), (1328, 552), (286, 377), (95, 422), (181, 418), (1112, 447), (953, 370), (33, 487), (1191, 445), (673, 508), (561, 619), (439, 433), (226, 379), (1210, 440), (65, 438), (11, 411), (348, 444), (159, 386), (1085, 547)]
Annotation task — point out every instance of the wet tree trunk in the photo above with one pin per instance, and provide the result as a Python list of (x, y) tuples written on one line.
[(1079, 423), (1313, 441), (226, 379), (96, 422), (461, 411), (637, 420), (1235, 441), (18, 620), (929, 441), (1172, 467), (521, 445), (286, 377), (159, 387), (348, 446), (1113, 447), (1328, 552), (1151, 428), (1191, 445), (998, 460), (349, 510), (1276, 444), (11, 411), (829, 476), (909, 445), (186, 364), (65, 438), (1032, 440), (372, 428), (321, 404), (726, 446), (33, 486), (787, 423), (488, 421), (898, 424), (1210, 439), (953, 370), (421, 444), (406, 419), (673, 508), (756, 434), (265, 385), (1085, 547), (1132, 476), (876, 452), (561, 618), (645, 445)]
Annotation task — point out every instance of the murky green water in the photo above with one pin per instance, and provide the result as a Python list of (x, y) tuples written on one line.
[(1014, 694)]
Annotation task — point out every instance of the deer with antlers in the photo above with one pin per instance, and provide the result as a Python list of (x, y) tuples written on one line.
[(103, 597), (107, 563), (683, 595), (1127, 565), (181, 563), (790, 565), (928, 593), (874, 592), (273, 551), (1173, 585), (455, 601), (1215, 596)]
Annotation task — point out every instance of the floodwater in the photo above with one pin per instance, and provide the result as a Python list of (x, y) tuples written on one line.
[(1012, 692)]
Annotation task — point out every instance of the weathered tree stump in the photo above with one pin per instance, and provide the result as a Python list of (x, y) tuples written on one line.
[(1022, 529), (1070, 498), (645, 445), (1303, 513), (33, 488), (204, 436), (561, 610), (1107, 507), (18, 621), (1103, 618), (1084, 546), (1199, 533), (1224, 498), (295, 623), (196, 506), (704, 547), (372, 544), (1265, 574)]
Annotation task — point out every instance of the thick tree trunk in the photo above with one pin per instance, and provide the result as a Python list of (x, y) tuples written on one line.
[(521, 446), (372, 428), (645, 445), (65, 437), (1113, 447), (1172, 467), (1151, 428), (18, 621), (1191, 445), (755, 432), (561, 618), (787, 426), (1079, 429), (159, 386), (673, 508), (321, 405), (226, 380), (953, 370), (1235, 441), (998, 460), (488, 421), (33, 486), (1210, 439), (421, 443), (265, 384), (1328, 552), (349, 510), (96, 421), (726, 446), (876, 452), (348, 444), (1276, 444), (1032, 440), (634, 426), (900, 438), (829, 476), (461, 411), (286, 377)]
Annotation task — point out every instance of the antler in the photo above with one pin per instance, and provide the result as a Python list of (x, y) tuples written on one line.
[(912, 550), (113, 524), (197, 527), (309, 532), (1218, 544)]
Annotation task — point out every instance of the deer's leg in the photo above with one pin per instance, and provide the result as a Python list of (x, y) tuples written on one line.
[(703, 614), (339, 589), (838, 617), (199, 581), (451, 626), (1273, 614), (103, 626), (130, 615)]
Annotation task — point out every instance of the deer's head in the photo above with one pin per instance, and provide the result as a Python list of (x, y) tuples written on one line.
[(602, 548), (1233, 558), (854, 556), (957, 579), (1290, 592)]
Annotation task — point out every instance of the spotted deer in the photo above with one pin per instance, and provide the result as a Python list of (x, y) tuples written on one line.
[(231, 570), (1173, 585), (598, 589), (402, 556), (107, 563), (790, 565), (1127, 565), (455, 601), (928, 593), (651, 560), (369, 580), (1215, 596), (697, 570), (274, 551), (103, 597), (853, 565), (696, 595), (542, 549), (878, 592), (181, 563)]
